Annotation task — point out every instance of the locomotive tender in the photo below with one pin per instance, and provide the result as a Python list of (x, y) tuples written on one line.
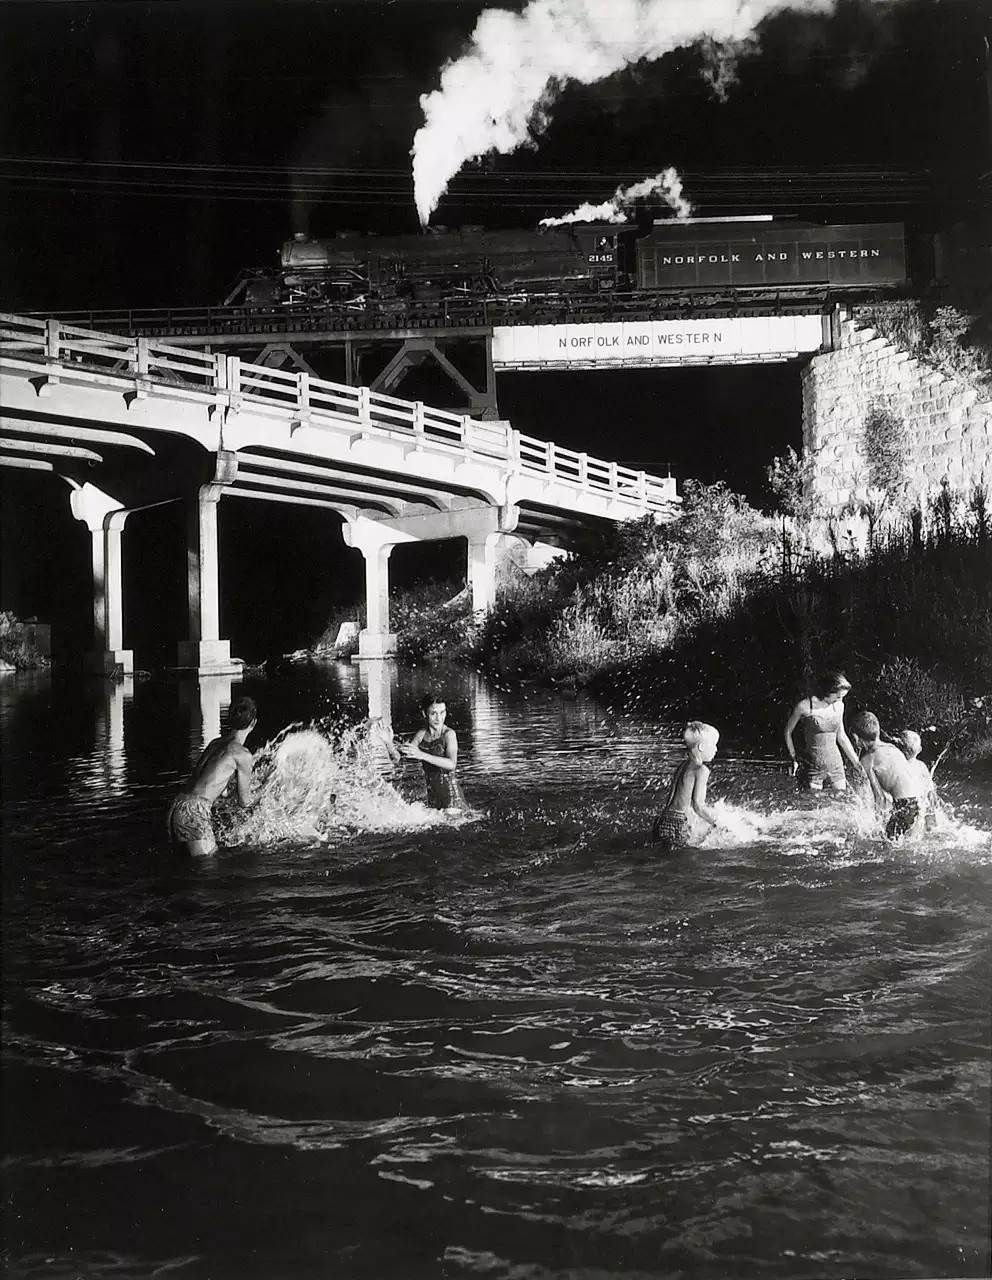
[(415, 274)]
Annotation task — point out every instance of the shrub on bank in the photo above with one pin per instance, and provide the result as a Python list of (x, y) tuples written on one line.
[(431, 621), (14, 648), (729, 614), (949, 338)]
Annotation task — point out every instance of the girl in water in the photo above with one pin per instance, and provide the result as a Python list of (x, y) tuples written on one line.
[(819, 762), (436, 746)]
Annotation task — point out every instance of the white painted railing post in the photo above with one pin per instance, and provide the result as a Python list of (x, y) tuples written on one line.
[(141, 363), (53, 339), (642, 487), (515, 458), (234, 374), (551, 459), (419, 422), (365, 406), (220, 371), (303, 393), (584, 470), (614, 478)]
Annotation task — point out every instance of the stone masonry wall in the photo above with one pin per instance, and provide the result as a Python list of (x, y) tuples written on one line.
[(875, 418)]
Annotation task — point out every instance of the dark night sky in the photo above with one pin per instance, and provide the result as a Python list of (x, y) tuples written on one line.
[(149, 146), (152, 150)]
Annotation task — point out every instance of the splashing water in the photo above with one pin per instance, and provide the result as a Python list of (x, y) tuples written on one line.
[(840, 826), (667, 184), (317, 783)]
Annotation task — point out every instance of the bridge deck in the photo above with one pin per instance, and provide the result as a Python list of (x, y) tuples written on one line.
[(53, 369)]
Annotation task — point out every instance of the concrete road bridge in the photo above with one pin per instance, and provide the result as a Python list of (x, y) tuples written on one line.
[(129, 422)]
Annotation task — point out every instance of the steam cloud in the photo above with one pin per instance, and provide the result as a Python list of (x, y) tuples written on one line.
[(498, 95), (666, 184)]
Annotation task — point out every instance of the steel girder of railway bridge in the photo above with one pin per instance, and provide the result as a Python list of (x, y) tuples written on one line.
[(463, 354)]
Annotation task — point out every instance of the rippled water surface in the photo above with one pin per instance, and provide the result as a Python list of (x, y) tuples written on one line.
[(368, 1040)]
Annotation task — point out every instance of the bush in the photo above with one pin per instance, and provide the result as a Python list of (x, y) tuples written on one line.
[(729, 614), (907, 695), (947, 338), (14, 648), (432, 621)]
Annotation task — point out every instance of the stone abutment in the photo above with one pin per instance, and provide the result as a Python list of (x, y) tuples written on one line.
[(877, 421)]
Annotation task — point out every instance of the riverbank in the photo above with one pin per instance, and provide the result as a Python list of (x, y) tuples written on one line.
[(728, 614), (23, 645)]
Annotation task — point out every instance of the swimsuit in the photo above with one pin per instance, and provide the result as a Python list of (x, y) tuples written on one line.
[(822, 762), (672, 827), (903, 817), (190, 818), (443, 791)]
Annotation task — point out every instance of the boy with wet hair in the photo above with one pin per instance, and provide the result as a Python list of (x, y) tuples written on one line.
[(190, 820), (673, 827), (890, 776), (912, 744)]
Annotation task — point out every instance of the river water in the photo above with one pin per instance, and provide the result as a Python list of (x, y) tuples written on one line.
[(370, 1040)]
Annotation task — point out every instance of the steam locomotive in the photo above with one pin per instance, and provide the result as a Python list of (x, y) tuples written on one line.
[(444, 270)]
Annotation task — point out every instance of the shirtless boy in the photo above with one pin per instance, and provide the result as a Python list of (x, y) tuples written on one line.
[(911, 743), (890, 776), (190, 820), (687, 792)]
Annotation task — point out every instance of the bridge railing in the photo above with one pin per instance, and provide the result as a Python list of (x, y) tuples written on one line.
[(317, 402)]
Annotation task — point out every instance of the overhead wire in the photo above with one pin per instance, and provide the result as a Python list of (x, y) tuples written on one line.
[(867, 185)]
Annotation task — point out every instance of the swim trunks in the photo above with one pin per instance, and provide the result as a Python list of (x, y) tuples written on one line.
[(672, 829), (902, 818), (443, 789), (190, 818)]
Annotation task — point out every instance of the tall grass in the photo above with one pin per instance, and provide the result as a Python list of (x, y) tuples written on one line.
[(730, 614)]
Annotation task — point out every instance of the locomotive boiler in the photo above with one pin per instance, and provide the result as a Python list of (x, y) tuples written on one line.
[(625, 265)]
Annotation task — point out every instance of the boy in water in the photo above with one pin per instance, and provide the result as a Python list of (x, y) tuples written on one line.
[(687, 792), (890, 776), (436, 746), (190, 820), (911, 743)]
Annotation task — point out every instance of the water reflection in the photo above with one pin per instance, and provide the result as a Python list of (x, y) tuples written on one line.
[(378, 680), (495, 1048), (206, 697), (109, 761)]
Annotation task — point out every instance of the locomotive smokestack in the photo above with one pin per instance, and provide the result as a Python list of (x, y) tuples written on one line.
[(498, 95)]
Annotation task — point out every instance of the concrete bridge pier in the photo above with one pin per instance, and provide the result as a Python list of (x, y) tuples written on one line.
[(480, 524), (377, 679), (105, 517), (482, 570), (205, 652), (375, 541)]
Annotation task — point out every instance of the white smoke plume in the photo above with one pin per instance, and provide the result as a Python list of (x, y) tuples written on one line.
[(666, 184), (498, 94), (720, 62)]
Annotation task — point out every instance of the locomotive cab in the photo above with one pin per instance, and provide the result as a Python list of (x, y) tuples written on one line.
[(607, 249)]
